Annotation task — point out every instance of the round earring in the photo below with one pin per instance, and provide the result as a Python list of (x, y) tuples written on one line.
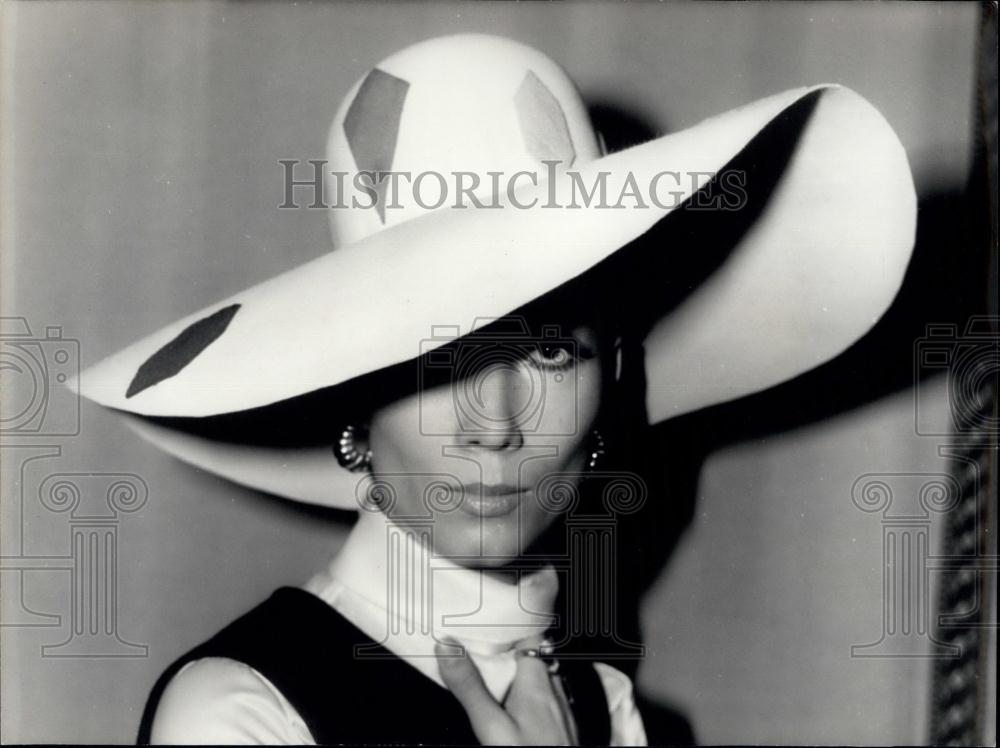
[(597, 452), (347, 453)]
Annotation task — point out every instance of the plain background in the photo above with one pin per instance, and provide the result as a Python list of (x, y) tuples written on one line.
[(140, 183)]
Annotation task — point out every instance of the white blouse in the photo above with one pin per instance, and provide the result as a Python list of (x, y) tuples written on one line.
[(398, 593)]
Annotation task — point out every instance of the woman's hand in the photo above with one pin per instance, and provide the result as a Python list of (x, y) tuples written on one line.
[(535, 711)]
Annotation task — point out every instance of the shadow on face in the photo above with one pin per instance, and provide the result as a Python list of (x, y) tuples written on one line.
[(493, 428)]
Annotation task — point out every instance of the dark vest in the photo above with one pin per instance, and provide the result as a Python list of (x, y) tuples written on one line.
[(306, 649)]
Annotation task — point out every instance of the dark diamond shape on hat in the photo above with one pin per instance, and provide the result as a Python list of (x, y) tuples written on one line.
[(372, 126), (182, 350), (543, 122)]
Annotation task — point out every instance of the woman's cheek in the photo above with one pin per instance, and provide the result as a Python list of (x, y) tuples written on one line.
[(581, 395), (395, 429), (571, 406), (589, 388)]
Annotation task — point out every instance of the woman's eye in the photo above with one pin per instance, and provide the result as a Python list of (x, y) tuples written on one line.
[(554, 355)]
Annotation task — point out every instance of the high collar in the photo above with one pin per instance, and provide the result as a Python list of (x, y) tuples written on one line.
[(388, 581), (393, 567)]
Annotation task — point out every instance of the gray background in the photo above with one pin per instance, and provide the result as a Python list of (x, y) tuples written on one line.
[(140, 183)]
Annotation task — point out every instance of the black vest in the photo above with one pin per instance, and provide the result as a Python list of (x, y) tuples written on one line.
[(306, 649)]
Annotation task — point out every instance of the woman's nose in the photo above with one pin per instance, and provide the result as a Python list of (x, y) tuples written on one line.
[(489, 405), (493, 440)]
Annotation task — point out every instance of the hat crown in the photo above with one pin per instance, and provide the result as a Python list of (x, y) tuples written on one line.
[(468, 103)]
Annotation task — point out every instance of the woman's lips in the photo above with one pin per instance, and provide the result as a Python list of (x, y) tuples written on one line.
[(490, 500)]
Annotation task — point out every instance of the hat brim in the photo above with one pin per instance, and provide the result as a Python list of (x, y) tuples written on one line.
[(812, 270)]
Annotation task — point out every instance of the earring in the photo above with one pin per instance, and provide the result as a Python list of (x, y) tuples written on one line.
[(597, 453), (347, 453)]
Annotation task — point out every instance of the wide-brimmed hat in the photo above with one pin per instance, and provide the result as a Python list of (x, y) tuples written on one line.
[(811, 186)]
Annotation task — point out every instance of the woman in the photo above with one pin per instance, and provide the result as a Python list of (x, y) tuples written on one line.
[(483, 457)]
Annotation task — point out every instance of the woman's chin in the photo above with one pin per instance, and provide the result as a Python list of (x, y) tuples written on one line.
[(487, 544)]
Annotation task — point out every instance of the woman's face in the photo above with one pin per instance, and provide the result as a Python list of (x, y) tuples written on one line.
[(495, 420)]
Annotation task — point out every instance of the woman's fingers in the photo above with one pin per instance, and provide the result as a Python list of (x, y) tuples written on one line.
[(533, 712), (570, 721), (531, 682), (490, 722), (535, 705)]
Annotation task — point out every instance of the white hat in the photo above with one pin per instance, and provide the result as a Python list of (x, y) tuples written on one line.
[(825, 235)]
